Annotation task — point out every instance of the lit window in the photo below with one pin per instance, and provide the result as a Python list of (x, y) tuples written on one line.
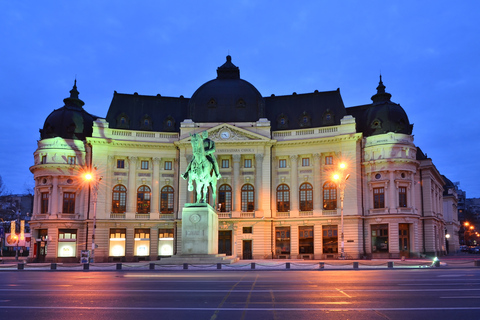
[(67, 243), (248, 198), (166, 200), (247, 163), (68, 202), (143, 199), (282, 163), (306, 197), (225, 163), (283, 198), (225, 198), (120, 163), (305, 162), (71, 160), (142, 242), (328, 160), (119, 199), (117, 242), (168, 165), (329, 196), (144, 165), (378, 198)]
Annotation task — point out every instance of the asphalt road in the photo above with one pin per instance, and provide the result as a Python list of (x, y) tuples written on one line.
[(347, 294)]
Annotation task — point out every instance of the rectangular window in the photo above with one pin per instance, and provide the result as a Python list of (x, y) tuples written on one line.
[(168, 165), (282, 163), (44, 159), (225, 163), (305, 239), (247, 163), (165, 242), (328, 160), (142, 242), (282, 241), (402, 197), (120, 163), (117, 242), (305, 162), (378, 198), (247, 229), (67, 243), (68, 202), (379, 238), (144, 165), (330, 239), (44, 204), (71, 160)]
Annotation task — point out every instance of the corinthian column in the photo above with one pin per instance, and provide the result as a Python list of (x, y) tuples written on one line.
[(155, 189), (317, 186)]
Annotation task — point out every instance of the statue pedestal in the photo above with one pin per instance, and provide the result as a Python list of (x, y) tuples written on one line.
[(199, 229)]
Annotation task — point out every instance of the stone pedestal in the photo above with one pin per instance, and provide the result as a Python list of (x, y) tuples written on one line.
[(199, 230)]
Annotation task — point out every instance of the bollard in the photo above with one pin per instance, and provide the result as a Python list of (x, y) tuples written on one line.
[(287, 265), (321, 265), (152, 266), (355, 265), (119, 266), (20, 266), (252, 265), (390, 264), (219, 266), (86, 266), (53, 266), (185, 266)]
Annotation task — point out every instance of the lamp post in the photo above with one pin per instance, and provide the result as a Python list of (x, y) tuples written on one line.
[(341, 181), (93, 181), (447, 236)]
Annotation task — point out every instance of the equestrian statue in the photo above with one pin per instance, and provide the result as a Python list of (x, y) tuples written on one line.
[(203, 168)]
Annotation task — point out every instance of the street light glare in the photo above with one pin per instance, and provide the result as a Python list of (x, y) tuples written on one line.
[(88, 176), (336, 177), (343, 165)]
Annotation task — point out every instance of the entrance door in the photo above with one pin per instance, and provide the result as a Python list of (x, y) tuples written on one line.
[(247, 249), (41, 251), (225, 242), (404, 240)]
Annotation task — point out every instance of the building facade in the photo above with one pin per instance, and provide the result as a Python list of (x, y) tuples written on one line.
[(277, 196)]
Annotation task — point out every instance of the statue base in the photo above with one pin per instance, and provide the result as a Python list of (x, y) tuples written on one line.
[(199, 230)]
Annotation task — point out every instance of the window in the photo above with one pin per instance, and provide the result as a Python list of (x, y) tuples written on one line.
[(117, 243), (44, 159), (305, 162), (142, 242), (282, 163), (379, 238), (68, 202), (67, 243), (71, 160), (378, 198), (165, 242), (306, 197), (225, 163), (247, 163), (330, 239), (44, 203), (166, 200), (248, 198), (402, 197), (120, 163), (143, 199), (305, 239), (283, 198), (328, 160), (247, 229), (119, 199), (225, 198), (329, 196), (282, 240), (168, 165), (144, 165)]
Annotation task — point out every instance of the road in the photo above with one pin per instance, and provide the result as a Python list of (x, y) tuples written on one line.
[(346, 294)]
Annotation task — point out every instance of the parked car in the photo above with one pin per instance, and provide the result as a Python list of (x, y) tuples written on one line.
[(463, 248)]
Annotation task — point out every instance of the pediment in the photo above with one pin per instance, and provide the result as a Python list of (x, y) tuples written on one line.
[(228, 133)]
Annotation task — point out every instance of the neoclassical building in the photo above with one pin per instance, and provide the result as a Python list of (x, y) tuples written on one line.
[(277, 156)]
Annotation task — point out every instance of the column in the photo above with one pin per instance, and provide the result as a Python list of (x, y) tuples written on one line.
[(236, 186), (294, 201), (155, 209), (392, 197), (132, 188), (53, 201), (258, 185), (317, 186), (109, 184)]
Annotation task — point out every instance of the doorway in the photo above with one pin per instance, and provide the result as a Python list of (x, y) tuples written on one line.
[(247, 249), (225, 242), (404, 240)]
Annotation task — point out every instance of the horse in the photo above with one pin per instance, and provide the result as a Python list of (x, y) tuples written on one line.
[(200, 170)]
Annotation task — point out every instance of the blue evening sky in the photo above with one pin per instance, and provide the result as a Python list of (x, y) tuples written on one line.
[(427, 52)]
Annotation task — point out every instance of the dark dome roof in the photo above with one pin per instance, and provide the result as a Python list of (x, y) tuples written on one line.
[(226, 98), (70, 121)]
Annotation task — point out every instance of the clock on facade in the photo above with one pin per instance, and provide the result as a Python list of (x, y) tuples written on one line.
[(224, 134)]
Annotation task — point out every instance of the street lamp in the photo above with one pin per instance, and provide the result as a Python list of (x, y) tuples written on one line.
[(93, 180), (341, 180), (447, 236)]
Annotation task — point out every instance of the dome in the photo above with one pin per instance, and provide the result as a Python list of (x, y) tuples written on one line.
[(70, 121), (226, 98)]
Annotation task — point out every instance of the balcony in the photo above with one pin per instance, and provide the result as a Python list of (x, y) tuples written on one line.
[(283, 214), (142, 216), (224, 215), (117, 215)]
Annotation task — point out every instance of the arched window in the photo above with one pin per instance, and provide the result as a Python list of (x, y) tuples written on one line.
[(166, 200), (143, 199), (225, 198), (248, 198), (306, 197), (329, 196), (119, 199), (283, 198)]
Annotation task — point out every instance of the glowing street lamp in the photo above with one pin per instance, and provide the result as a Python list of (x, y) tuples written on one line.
[(93, 180), (341, 181)]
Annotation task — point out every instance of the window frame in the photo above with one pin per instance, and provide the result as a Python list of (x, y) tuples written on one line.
[(305, 197), (225, 198), (120, 163), (168, 165), (167, 200), (330, 196), (144, 197), (378, 197), (283, 198), (282, 163), (305, 162), (144, 164), (248, 198), (119, 205), (225, 163), (402, 197), (247, 163), (68, 203)]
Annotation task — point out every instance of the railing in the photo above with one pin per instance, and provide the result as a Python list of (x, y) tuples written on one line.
[(283, 214), (329, 213), (306, 213), (247, 214), (144, 134), (166, 216), (224, 215), (117, 215), (142, 216), (305, 132)]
